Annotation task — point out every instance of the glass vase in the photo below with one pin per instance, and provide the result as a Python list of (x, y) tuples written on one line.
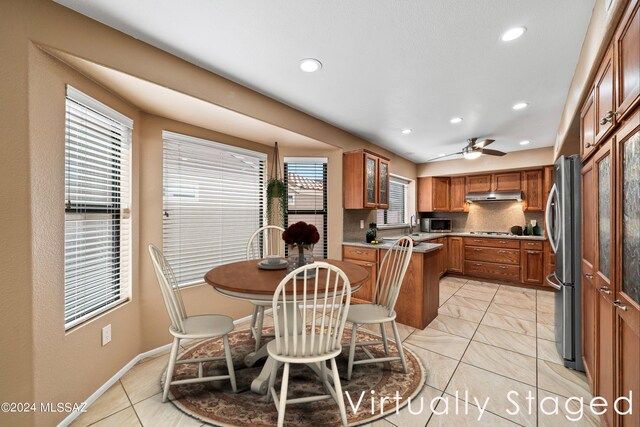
[(300, 254)]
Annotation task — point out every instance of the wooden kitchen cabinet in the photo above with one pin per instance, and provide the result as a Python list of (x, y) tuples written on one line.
[(532, 266), (509, 181), (455, 255), (442, 256), (457, 187), (478, 183), (549, 262), (588, 127), (589, 293), (365, 180), (626, 289), (604, 98), (626, 45), (433, 194), (532, 189), (604, 172), (367, 258), (492, 258)]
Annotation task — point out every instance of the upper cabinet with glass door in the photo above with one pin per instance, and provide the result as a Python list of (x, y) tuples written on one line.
[(365, 180)]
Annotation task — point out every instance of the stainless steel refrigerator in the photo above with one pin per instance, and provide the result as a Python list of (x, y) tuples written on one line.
[(563, 230)]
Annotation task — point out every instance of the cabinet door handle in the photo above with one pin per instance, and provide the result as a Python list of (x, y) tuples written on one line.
[(503, 267), (619, 305), (502, 242), (605, 290), (588, 275), (608, 117), (588, 145), (532, 252), (478, 265), (477, 240), (502, 252), (477, 250)]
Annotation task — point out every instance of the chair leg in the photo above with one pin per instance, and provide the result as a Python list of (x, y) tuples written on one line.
[(253, 321), (352, 350), (399, 345), (383, 332), (283, 395), (258, 333), (172, 364), (338, 388), (272, 379), (232, 373)]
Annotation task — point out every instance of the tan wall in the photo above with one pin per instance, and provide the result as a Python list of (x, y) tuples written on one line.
[(514, 160), (69, 358), (40, 362), (199, 299)]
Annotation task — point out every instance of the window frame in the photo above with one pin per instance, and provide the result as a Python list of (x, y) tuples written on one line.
[(325, 212), (395, 180), (116, 210)]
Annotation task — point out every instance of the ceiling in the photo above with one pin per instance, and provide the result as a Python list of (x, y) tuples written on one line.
[(165, 102), (387, 66)]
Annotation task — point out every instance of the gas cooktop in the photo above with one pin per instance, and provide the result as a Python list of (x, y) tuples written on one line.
[(492, 233)]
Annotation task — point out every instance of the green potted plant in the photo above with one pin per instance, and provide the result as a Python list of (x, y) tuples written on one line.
[(276, 192)]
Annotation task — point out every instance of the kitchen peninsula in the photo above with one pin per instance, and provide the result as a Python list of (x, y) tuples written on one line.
[(417, 303)]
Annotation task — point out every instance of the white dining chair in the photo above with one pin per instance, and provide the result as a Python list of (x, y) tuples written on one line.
[(189, 327), (312, 335), (391, 274), (263, 242)]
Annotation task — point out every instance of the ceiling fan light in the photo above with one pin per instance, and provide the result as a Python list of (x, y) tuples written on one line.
[(470, 155)]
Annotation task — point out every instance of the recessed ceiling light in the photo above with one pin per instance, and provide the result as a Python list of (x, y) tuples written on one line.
[(524, 142), (406, 131), (513, 34), (310, 65), (441, 155), (456, 120), (520, 106)]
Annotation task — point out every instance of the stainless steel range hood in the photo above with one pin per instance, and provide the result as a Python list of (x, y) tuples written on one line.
[(493, 196)]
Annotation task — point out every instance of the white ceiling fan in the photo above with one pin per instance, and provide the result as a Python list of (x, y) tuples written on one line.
[(474, 149)]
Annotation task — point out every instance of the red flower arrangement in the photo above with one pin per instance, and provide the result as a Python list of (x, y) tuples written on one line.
[(301, 233)]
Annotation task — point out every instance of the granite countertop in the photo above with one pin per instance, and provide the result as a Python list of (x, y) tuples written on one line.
[(421, 237), (421, 248)]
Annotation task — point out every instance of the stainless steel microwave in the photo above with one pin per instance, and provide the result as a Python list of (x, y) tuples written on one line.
[(435, 225)]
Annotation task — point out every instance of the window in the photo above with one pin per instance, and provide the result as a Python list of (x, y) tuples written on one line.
[(306, 183), (397, 212), (97, 196), (213, 202)]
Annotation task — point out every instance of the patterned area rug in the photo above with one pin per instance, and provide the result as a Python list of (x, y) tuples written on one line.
[(216, 404)]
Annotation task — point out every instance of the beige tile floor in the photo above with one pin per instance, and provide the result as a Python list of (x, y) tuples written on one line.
[(487, 341)]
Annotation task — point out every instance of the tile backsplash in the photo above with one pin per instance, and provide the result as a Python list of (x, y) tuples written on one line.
[(494, 216)]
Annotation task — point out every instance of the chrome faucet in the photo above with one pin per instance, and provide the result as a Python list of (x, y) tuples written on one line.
[(412, 220)]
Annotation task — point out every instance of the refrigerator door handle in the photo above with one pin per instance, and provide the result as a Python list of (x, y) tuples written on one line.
[(552, 240), (553, 284)]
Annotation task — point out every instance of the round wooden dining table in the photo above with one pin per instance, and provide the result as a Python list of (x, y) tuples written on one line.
[(244, 280)]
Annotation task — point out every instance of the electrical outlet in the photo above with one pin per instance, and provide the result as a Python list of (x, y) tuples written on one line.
[(106, 335), (362, 224)]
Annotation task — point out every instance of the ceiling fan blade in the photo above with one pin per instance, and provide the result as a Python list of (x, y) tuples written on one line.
[(493, 152), (442, 157), (483, 143)]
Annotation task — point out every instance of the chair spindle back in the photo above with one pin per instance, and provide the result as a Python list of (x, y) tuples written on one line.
[(325, 298), (392, 271), (265, 241), (169, 288)]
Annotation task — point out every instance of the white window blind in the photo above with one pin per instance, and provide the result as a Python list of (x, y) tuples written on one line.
[(213, 202), (306, 183), (397, 212), (97, 197)]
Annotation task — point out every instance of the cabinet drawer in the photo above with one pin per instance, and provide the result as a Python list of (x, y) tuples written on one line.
[(534, 245), (492, 243), (495, 255), (362, 254), (509, 273)]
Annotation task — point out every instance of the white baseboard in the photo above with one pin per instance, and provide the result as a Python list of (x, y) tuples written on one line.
[(111, 381)]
